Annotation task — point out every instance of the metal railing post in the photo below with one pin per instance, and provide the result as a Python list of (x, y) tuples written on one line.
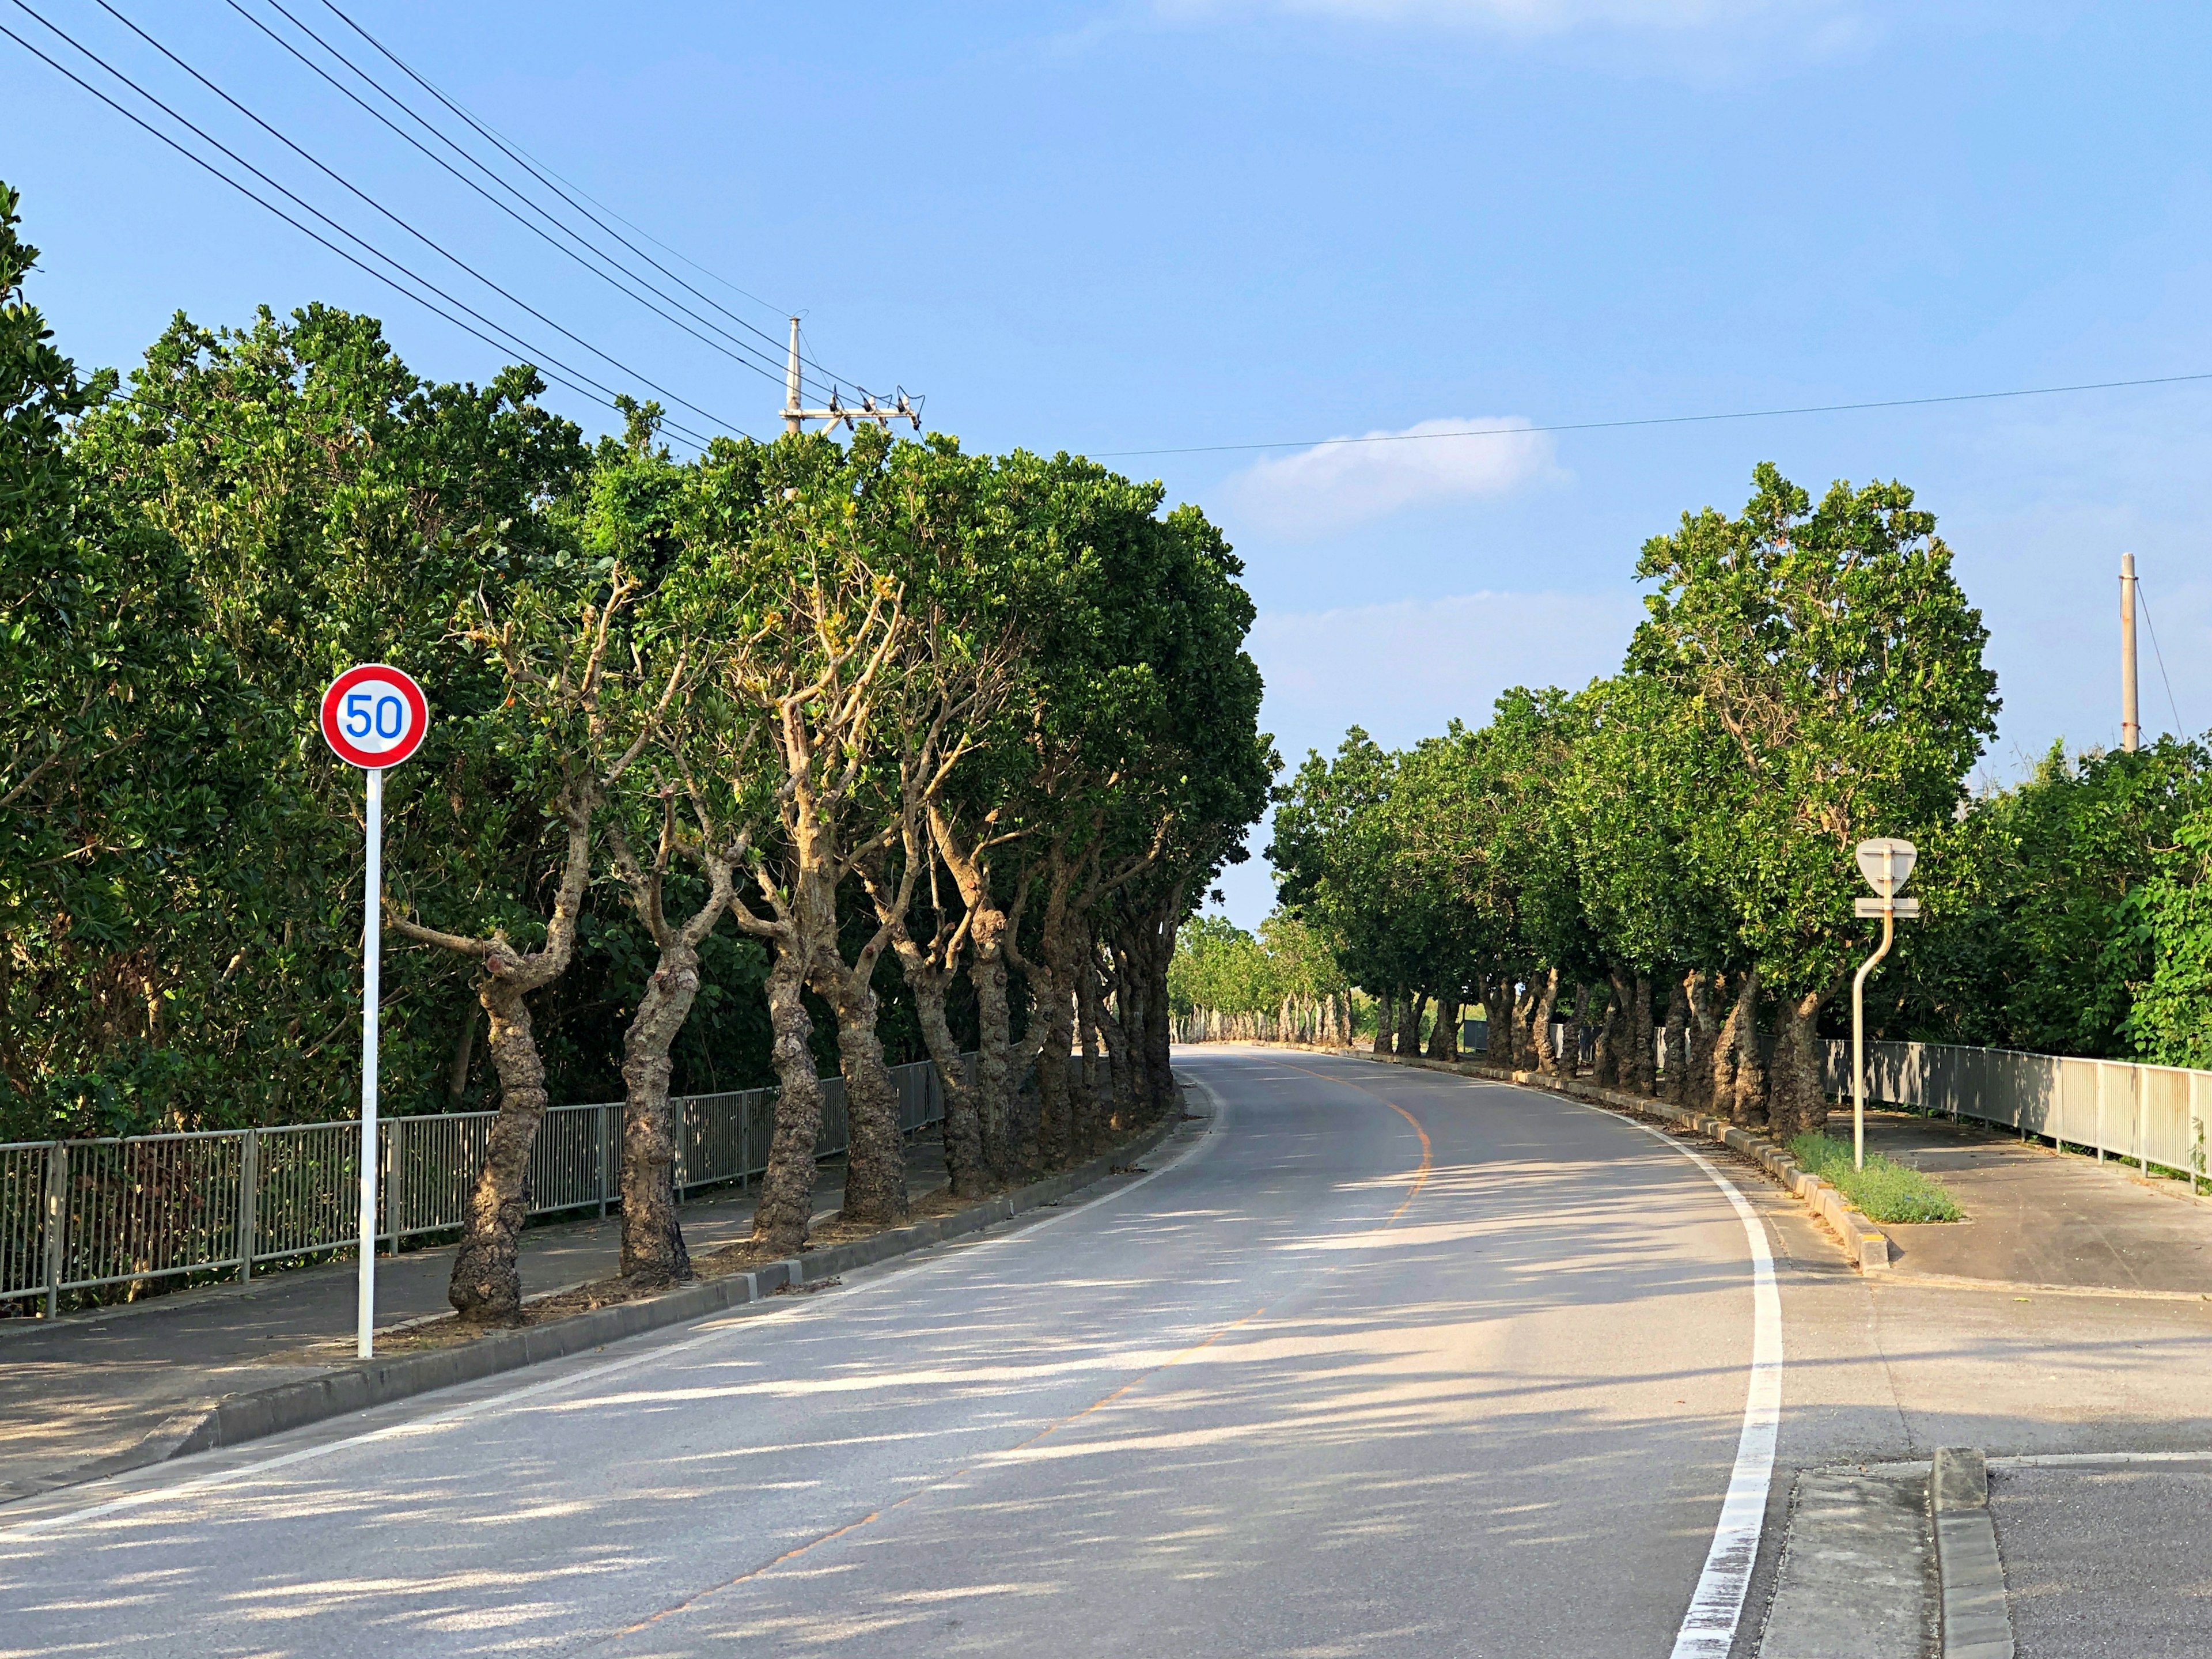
[(56, 1221), (601, 1114), (249, 1192), (395, 1176)]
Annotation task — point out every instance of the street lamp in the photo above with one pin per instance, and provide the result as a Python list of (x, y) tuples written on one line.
[(1885, 862)]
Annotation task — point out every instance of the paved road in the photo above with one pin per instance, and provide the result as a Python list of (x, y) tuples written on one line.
[(92, 1385), (1381, 1363)]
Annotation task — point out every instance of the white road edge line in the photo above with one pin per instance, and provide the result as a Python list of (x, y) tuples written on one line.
[(724, 1325), (1708, 1629)]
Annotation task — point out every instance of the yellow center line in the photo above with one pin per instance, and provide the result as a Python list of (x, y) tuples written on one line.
[(1420, 1175)]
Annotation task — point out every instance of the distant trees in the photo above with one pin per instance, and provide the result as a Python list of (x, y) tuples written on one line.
[(1668, 852), (738, 763)]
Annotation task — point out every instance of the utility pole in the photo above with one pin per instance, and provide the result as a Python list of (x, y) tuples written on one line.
[(2130, 726), (838, 413)]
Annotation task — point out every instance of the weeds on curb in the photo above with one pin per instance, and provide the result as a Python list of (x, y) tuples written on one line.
[(1885, 1190)]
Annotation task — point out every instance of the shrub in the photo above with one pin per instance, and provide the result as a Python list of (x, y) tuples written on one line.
[(1885, 1190)]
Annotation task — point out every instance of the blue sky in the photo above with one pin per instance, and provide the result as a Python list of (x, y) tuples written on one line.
[(1176, 225)]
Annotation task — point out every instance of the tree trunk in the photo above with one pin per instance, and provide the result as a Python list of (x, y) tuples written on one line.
[(1746, 1099), (652, 1249), (1091, 1111), (1386, 1020), (1699, 1068), (875, 1160), (1547, 1045), (1159, 1077), (1607, 1068), (962, 1134), (786, 1199), (486, 1288), (1121, 1073), (1642, 1079), (1800, 1096), (1675, 1074), (1526, 1001), (1409, 1026), (1052, 1012), (994, 1080), (1444, 1040)]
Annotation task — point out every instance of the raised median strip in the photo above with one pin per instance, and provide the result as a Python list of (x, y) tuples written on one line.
[(1864, 1243), (1977, 1622), (259, 1413)]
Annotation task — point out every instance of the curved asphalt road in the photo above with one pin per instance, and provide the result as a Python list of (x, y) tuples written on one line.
[(1385, 1363)]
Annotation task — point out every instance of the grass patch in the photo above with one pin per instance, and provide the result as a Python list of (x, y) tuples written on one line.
[(1885, 1190)]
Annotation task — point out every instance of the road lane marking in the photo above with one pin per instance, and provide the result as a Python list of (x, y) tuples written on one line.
[(938, 1485), (1428, 1159), (727, 1324), (1708, 1629)]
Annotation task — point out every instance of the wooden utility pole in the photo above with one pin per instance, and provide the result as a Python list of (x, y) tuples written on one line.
[(838, 413), (2130, 726)]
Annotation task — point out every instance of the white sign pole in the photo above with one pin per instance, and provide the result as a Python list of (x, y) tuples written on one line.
[(373, 716), (1879, 861), (371, 967), (1858, 1039)]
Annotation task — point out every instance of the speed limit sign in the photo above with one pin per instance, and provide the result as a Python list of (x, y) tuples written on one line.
[(373, 716)]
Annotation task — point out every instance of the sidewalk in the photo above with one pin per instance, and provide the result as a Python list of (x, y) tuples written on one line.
[(2037, 1216), (92, 1386)]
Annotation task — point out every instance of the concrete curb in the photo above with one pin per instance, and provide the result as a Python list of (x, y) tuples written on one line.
[(1977, 1623), (263, 1412), (1864, 1243)]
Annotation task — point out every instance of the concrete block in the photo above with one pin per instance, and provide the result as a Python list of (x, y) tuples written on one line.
[(1961, 1478)]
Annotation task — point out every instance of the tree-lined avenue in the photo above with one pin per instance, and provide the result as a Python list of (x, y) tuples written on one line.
[(1381, 1362)]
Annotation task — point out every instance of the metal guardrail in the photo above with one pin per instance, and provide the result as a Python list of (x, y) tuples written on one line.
[(78, 1215), (2148, 1115)]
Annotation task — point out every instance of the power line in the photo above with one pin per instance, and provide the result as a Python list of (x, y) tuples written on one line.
[(503, 347), (763, 367), (1659, 420), (403, 224), (2143, 599), (520, 160)]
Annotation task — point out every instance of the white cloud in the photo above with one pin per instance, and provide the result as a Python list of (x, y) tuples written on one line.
[(1336, 485)]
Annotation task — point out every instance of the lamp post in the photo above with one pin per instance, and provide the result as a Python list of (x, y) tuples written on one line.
[(1885, 862)]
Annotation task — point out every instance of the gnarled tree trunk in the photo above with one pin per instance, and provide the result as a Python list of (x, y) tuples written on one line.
[(1609, 1036), (1801, 1098), (1700, 1070), (1443, 1039), (1386, 1020), (1547, 1048), (1744, 1097), (486, 1286), (875, 1161), (1641, 1078), (1091, 1109), (652, 1249), (1674, 1073), (786, 1199)]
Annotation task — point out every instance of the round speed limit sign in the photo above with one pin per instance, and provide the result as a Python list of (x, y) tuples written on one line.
[(374, 716)]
